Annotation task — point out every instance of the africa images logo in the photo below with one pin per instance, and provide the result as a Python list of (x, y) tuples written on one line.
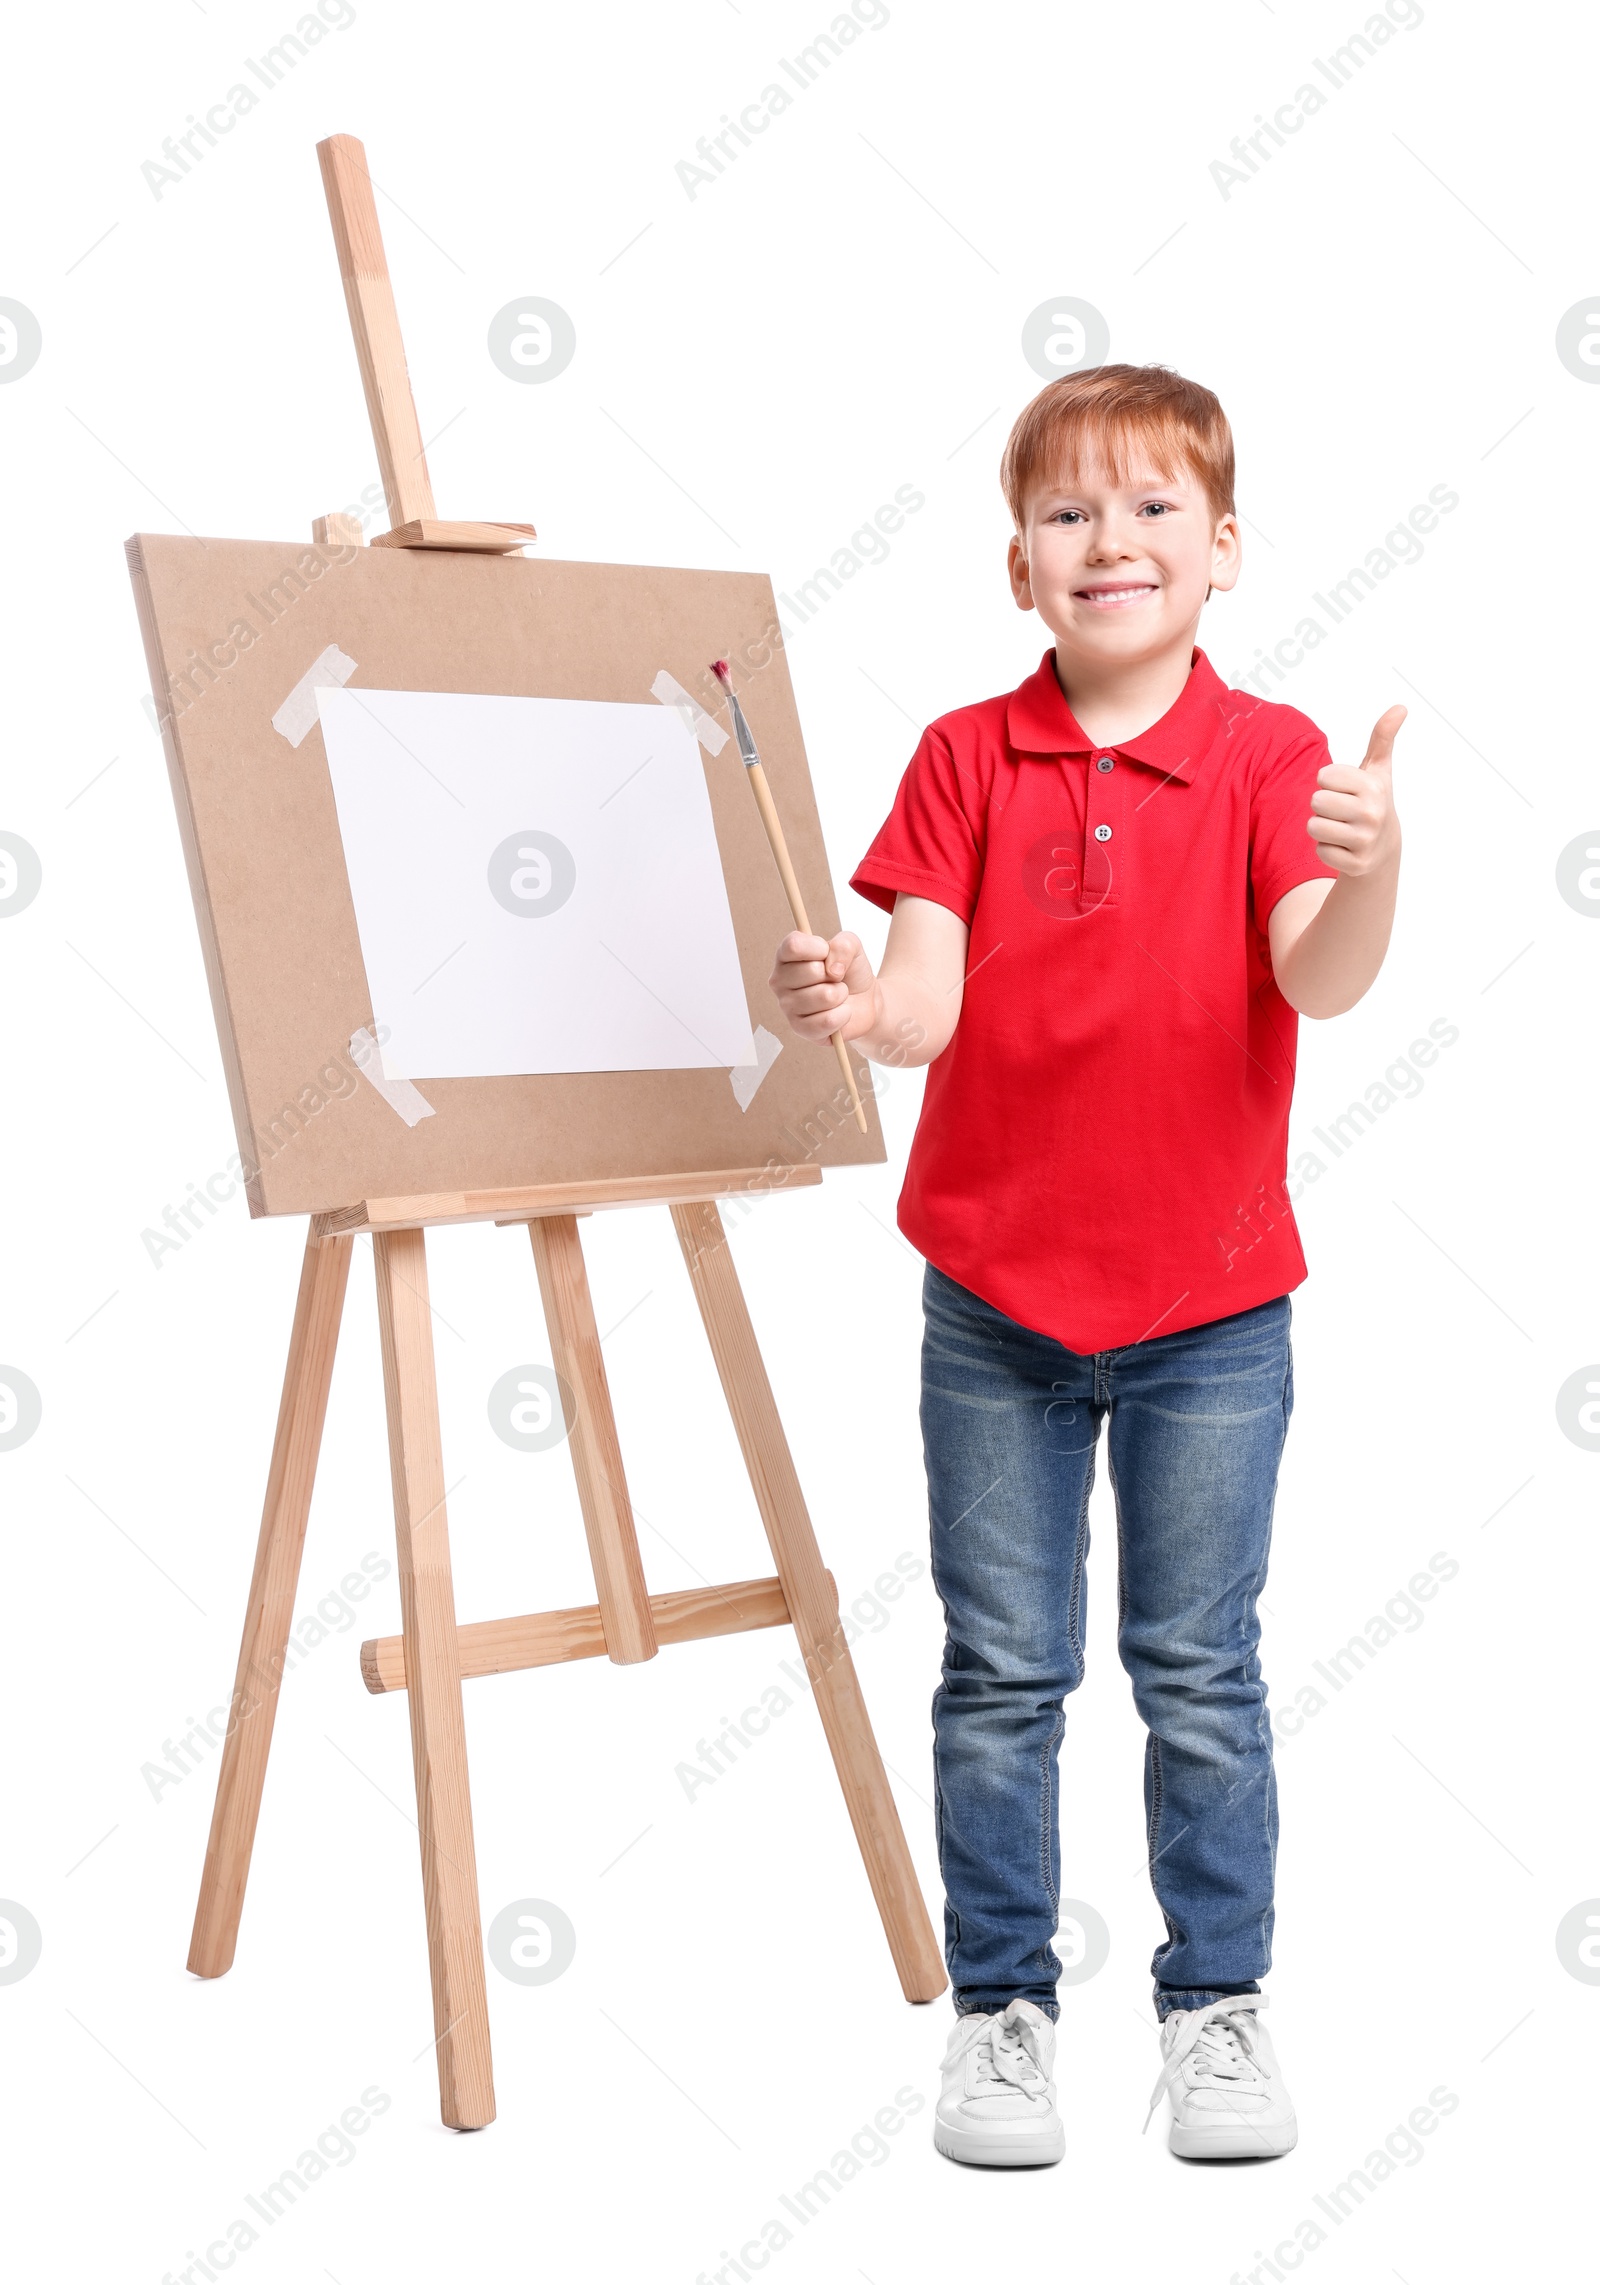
[(1053, 876)]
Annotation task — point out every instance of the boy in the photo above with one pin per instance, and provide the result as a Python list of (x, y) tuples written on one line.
[(1113, 890)]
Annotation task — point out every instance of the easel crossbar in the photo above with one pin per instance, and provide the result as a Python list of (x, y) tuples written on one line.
[(551, 1638)]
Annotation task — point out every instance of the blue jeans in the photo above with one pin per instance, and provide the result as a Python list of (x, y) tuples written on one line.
[(1010, 1422)]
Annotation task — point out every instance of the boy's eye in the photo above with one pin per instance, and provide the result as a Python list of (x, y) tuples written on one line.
[(1155, 508)]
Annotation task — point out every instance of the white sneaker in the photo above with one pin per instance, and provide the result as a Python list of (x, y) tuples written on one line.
[(998, 2103), (1228, 2095)]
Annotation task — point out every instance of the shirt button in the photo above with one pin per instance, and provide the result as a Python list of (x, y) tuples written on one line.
[(1102, 832), (1105, 761)]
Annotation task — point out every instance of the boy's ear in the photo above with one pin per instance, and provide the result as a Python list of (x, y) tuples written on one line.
[(1017, 570), (1227, 541)]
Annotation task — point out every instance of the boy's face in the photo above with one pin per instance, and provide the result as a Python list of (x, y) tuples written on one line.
[(1118, 572)]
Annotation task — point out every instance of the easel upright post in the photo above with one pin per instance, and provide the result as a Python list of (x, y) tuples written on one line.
[(375, 323)]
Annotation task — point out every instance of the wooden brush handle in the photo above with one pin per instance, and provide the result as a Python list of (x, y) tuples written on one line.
[(797, 906)]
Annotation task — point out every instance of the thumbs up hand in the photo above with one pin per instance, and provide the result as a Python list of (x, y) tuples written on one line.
[(1353, 819)]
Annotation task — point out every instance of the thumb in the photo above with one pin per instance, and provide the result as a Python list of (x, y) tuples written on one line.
[(843, 952), (1380, 746)]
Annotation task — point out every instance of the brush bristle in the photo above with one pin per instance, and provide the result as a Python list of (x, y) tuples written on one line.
[(719, 668)]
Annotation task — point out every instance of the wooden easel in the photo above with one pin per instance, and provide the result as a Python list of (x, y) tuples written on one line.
[(432, 1655)]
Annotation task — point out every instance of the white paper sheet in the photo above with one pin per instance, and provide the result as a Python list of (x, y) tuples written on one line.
[(536, 884)]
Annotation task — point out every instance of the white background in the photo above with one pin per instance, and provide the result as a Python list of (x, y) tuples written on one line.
[(758, 369)]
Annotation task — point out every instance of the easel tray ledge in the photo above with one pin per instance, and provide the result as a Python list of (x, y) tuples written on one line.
[(533, 1204)]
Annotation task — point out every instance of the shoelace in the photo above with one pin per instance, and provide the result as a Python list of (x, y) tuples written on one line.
[(1222, 2037), (1004, 2050)]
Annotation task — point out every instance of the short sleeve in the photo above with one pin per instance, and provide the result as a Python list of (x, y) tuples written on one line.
[(928, 845), (1282, 852)]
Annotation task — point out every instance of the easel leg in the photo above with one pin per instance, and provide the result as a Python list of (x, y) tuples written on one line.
[(596, 1455), (433, 1683), (264, 1646), (818, 1631)]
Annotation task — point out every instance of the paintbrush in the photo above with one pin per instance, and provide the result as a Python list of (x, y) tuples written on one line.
[(780, 850)]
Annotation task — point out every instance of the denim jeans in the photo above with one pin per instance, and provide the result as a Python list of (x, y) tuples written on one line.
[(1010, 1423)]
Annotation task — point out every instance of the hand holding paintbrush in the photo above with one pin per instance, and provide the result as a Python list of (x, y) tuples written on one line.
[(769, 818)]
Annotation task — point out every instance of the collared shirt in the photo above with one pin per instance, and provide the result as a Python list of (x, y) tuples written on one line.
[(1102, 1147)]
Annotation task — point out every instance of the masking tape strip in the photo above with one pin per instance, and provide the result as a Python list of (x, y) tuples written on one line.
[(747, 1077), (298, 713), (710, 734), (399, 1094)]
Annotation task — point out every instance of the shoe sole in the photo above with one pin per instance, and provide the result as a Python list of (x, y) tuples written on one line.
[(1000, 2150), (1233, 2140)]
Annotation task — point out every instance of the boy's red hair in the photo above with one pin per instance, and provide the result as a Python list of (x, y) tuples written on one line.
[(1111, 417)]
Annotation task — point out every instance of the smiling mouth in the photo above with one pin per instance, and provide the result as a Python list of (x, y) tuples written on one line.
[(1113, 598)]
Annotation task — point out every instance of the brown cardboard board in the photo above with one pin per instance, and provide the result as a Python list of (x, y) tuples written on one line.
[(230, 626)]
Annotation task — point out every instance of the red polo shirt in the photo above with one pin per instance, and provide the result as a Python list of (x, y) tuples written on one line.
[(1101, 1151)]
